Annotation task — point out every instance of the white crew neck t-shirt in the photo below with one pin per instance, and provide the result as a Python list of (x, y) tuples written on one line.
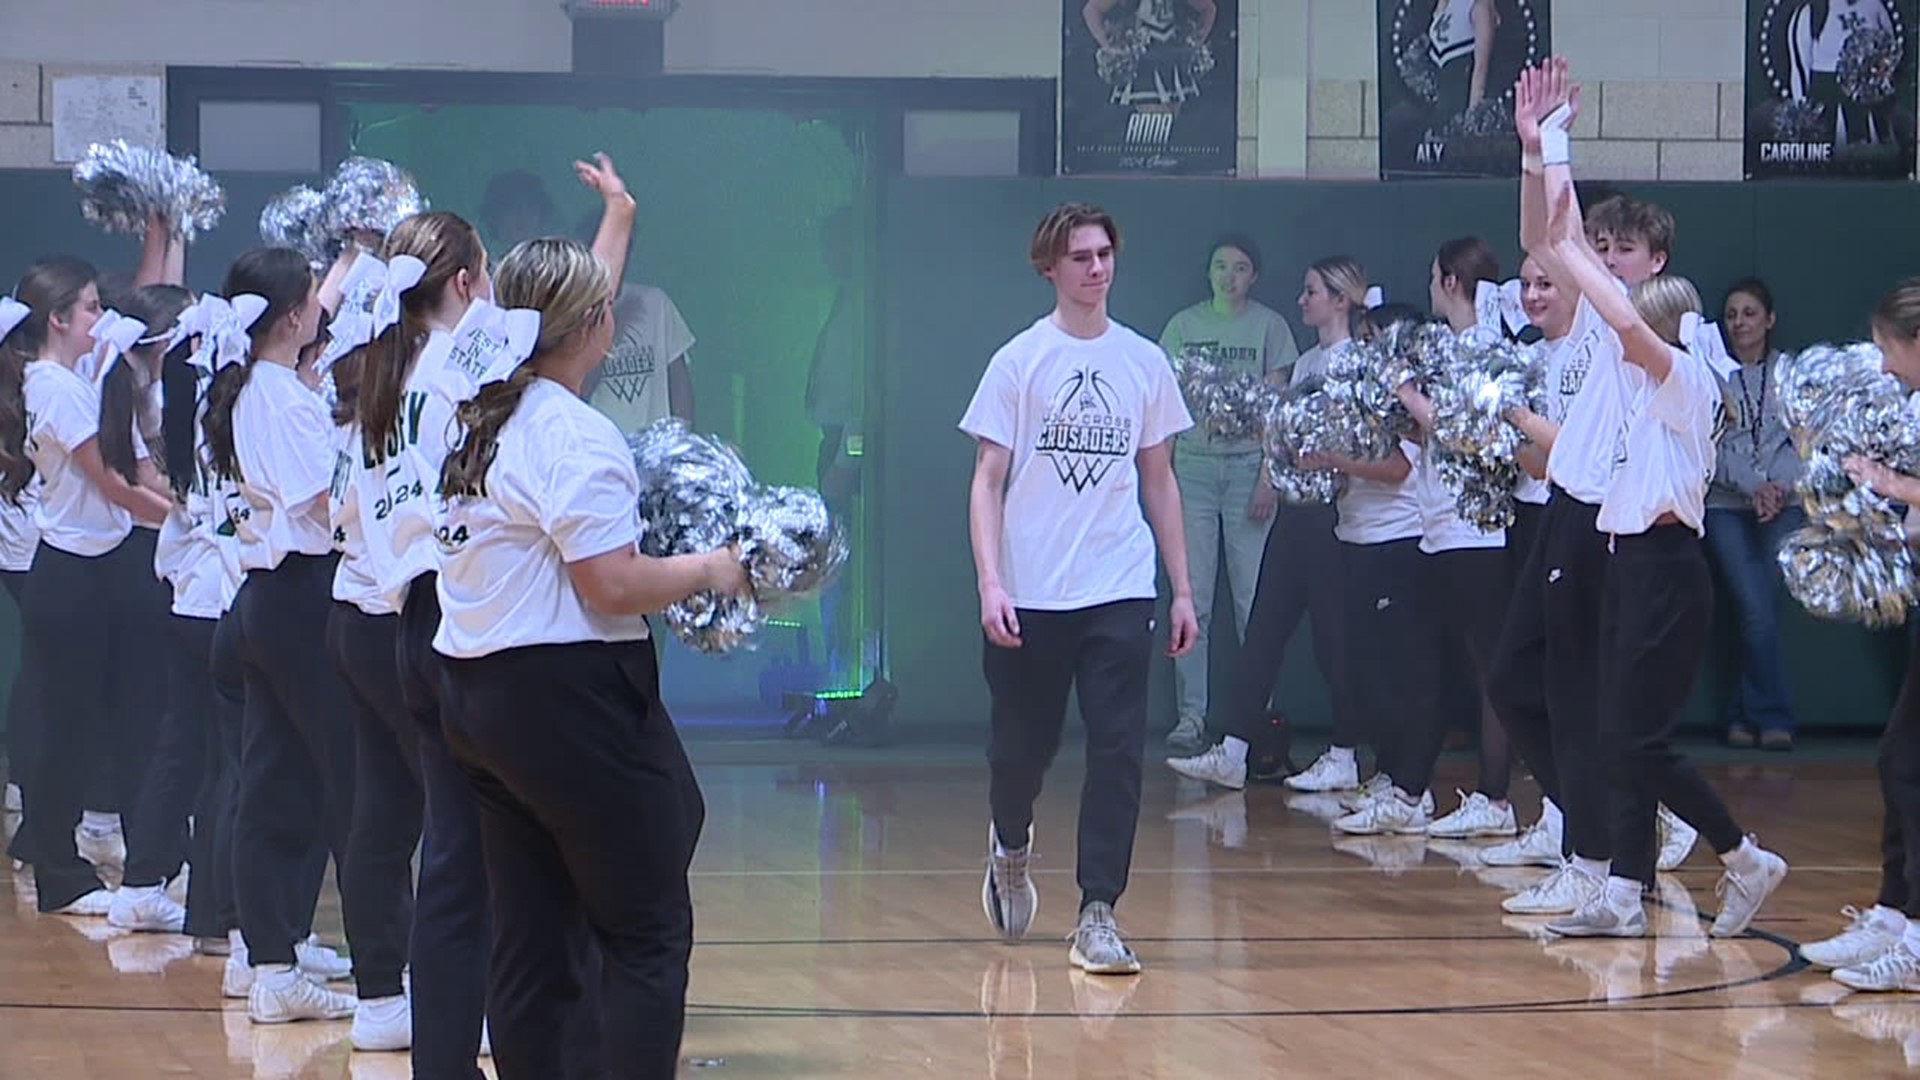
[(1075, 412), (284, 441), (71, 512)]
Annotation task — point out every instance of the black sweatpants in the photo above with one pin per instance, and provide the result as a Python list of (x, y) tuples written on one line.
[(1899, 768), (1463, 600), (75, 633), (211, 911), (1103, 654), (23, 696), (1300, 577), (183, 757), (589, 812), (1393, 661), (376, 885), (296, 752), (1654, 617), (1544, 683), (452, 916)]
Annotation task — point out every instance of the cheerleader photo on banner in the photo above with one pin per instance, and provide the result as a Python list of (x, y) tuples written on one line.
[(1149, 86), (1447, 70), (1830, 88)]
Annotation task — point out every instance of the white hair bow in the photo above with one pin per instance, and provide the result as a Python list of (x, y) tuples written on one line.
[(491, 341), (1375, 297), (223, 337), (12, 314), (369, 304), (1499, 306), (112, 335), (1704, 341)]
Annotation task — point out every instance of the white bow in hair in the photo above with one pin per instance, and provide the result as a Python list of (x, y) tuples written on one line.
[(1499, 306), (490, 342), (1704, 341), (224, 342), (12, 314), (369, 304), (112, 336), (1375, 297)]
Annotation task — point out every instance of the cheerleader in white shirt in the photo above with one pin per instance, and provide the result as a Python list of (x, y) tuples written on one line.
[(1880, 951), (71, 612), (270, 435), (1643, 425), (589, 808), (1380, 532)]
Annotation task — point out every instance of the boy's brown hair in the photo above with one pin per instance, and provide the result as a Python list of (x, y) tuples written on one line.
[(1055, 232), (1649, 223)]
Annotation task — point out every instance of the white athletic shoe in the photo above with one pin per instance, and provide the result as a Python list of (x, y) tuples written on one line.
[(94, 905), (1895, 971), (1564, 892), (146, 908), (1539, 845), (1605, 914), (1327, 773), (1865, 940), (1477, 816), (1214, 766), (1742, 894), (1676, 840), (1008, 895), (103, 847), (322, 962), (1377, 785), (383, 1024), (282, 995), (1391, 813)]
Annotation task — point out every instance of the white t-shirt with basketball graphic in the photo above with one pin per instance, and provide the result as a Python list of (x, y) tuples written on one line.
[(648, 335), (1075, 412)]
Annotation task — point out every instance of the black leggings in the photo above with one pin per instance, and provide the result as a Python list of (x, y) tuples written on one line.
[(296, 752), (1393, 661), (568, 746), (1463, 598), (23, 696), (376, 885), (184, 756)]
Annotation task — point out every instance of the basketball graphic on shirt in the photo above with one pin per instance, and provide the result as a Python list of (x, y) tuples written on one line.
[(1081, 433), (629, 370)]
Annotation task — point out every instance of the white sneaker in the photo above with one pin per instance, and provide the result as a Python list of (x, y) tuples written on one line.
[(1098, 948), (1676, 840), (322, 962), (1477, 816), (236, 979), (1865, 940), (1215, 766), (1564, 892), (1895, 971), (1538, 846), (1327, 773), (94, 905), (103, 847), (1742, 894), (1008, 895), (1392, 813), (382, 1024), (146, 908), (1606, 914), (282, 995), (1377, 785)]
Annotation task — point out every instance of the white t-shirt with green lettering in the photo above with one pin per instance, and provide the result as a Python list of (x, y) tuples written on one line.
[(1257, 341)]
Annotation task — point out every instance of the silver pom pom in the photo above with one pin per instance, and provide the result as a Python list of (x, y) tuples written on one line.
[(370, 195), (1851, 562), (1798, 121), (1296, 427), (1225, 404), (297, 219), (122, 187), (1868, 63), (1417, 69), (696, 495)]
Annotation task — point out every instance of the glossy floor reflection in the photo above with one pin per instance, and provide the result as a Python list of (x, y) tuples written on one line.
[(840, 935)]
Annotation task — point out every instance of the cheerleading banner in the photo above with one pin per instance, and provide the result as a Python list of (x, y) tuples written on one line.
[(1149, 87), (1447, 69), (1830, 88)]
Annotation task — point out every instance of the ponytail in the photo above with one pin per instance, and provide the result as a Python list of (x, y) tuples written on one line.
[(16, 468), (217, 424), (282, 277), (447, 244), (117, 419), (465, 472), (180, 392)]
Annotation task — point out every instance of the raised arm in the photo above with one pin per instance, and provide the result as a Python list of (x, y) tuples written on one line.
[(615, 238), (1539, 95)]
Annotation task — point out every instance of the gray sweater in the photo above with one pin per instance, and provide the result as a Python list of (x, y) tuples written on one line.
[(1755, 448)]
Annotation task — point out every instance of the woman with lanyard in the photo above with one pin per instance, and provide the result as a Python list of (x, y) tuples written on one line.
[(544, 596), (72, 613), (1641, 431), (269, 434), (1750, 512)]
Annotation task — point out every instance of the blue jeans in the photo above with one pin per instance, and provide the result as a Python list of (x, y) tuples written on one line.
[(1215, 492), (1745, 551)]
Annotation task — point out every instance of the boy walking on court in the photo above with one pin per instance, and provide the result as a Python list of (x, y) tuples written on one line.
[(1074, 420)]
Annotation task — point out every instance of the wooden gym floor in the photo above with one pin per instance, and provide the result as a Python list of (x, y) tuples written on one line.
[(840, 935)]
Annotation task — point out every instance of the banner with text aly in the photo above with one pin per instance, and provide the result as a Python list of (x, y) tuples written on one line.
[(1149, 87), (1830, 88), (1447, 69)]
